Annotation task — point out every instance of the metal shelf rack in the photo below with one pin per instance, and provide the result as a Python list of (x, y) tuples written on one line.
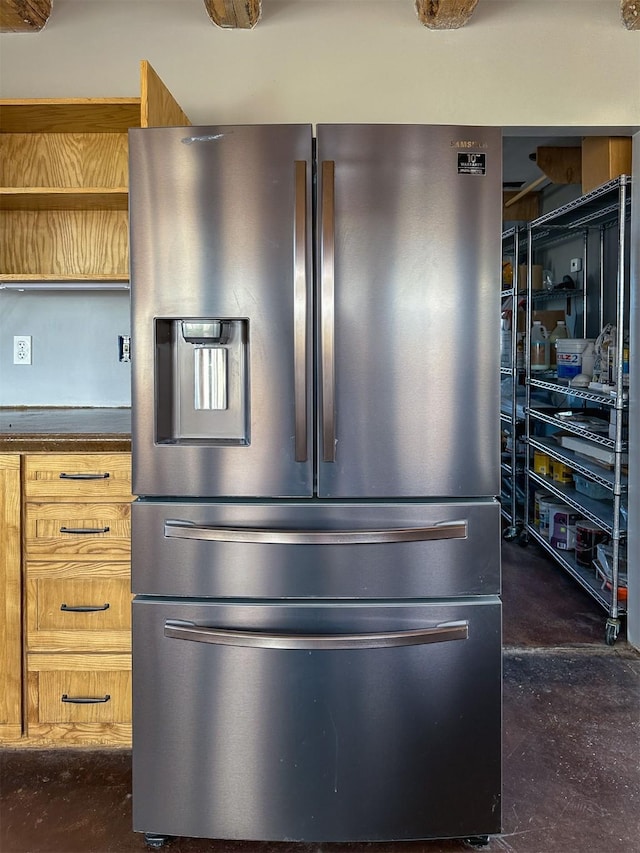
[(606, 207)]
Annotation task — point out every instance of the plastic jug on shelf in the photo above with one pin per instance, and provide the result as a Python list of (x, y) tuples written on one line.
[(559, 333), (539, 348)]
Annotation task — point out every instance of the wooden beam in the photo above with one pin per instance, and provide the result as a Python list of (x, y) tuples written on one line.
[(526, 190), (561, 164), (445, 14), (24, 16), (630, 11), (234, 14)]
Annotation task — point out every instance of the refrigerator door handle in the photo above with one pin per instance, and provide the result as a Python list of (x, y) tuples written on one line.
[(442, 633), (177, 529), (327, 307), (300, 310)]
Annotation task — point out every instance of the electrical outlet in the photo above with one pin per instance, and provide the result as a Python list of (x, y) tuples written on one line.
[(576, 264), (22, 349)]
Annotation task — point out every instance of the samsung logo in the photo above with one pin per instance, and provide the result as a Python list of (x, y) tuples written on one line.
[(468, 143)]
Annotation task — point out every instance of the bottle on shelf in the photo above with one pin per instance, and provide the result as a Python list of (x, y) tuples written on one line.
[(505, 339), (539, 348), (559, 333)]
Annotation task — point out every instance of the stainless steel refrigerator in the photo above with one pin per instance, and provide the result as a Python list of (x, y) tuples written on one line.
[(316, 563)]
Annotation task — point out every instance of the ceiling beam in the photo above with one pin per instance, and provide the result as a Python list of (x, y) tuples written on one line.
[(234, 14), (24, 16), (630, 11), (445, 14)]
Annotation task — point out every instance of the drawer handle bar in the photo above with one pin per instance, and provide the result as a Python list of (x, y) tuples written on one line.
[(176, 529), (84, 530), (64, 476), (319, 642), (85, 700), (84, 608)]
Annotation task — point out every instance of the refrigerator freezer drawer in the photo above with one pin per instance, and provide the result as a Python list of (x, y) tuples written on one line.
[(321, 550), (317, 722)]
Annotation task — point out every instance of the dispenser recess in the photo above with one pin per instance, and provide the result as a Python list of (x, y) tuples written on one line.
[(202, 383)]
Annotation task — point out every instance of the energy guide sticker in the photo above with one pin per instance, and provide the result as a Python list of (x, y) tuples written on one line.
[(472, 163)]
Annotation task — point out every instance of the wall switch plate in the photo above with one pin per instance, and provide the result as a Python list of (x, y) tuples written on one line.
[(22, 349), (124, 348), (576, 264)]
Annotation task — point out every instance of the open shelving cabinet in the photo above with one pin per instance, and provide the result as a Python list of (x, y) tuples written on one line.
[(64, 182)]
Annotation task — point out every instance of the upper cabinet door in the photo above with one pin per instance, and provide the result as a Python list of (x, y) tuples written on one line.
[(221, 310), (409, 222)]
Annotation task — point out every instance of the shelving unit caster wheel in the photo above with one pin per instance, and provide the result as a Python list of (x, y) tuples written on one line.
[(478, 841), (611, 631), (510, 534), (523, 539), (155, 842)]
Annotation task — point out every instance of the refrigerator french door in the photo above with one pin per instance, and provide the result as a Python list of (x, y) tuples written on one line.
[(315, 445), (401, 368)]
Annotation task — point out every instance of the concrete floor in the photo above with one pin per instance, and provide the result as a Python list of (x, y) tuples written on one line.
[(571, 747)]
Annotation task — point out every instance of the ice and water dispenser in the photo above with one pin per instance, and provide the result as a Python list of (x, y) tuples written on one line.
[(202, 384)]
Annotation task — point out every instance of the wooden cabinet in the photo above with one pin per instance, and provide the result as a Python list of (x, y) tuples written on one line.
[(10, 610), (76, 546), (64, 182)]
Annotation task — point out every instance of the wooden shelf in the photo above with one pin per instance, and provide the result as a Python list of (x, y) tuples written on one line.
[(64, 182), (64, 198), (69, 115)]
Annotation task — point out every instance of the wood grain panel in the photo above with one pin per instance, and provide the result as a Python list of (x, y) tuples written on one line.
[(49, 675), (236, 14), (82, 115), (24, 16), (158, 106), (64, 160), (52, 628), (445, 14), (64, 243), (43, 198), (77, 568), (10, 599), (43, 481), (44, 538)]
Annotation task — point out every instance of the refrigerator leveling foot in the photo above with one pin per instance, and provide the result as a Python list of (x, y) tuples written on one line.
[(155, 842), (477, 841)]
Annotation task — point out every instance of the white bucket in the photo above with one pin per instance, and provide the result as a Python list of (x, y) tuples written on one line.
[(569, 356)]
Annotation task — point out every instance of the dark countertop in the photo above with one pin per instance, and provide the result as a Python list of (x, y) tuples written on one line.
[(65, 430)]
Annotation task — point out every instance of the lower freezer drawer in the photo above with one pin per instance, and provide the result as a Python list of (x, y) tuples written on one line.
[(317, 721)]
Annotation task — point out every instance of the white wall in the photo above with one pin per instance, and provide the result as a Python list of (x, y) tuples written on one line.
[(518, 62), (74, 349)]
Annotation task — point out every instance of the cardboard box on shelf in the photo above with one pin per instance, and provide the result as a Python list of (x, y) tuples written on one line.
[(549, 319), (603, 159)]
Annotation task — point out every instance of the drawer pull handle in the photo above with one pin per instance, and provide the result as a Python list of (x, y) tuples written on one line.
[(64, 476), (83, 608), (84, 530), (85, 700), (177, 529), (443, 633)]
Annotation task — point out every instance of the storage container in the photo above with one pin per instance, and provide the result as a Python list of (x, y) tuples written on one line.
[(591, 489), (541, 464), (569, 356), (562, 527), (588, 536)]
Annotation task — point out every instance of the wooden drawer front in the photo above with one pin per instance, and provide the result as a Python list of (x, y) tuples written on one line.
[(78, 476), (89, 531), (79, 614), (51, 677), (84, 697)]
